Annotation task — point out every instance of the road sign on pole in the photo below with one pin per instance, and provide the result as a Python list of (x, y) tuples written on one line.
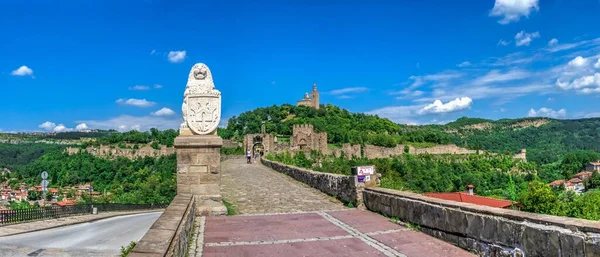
[(44, 175)]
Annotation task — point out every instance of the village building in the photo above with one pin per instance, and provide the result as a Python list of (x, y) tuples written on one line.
[(574, 184)]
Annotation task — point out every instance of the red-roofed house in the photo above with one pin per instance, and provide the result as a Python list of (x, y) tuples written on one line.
[(574, 184), (470, 197), (583, 175), (65, 203)]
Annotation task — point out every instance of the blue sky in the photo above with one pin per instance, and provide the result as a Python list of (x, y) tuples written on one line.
[(123, 64)]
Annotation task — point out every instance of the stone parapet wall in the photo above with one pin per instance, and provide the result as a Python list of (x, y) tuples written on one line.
[(231, 144), (374, 152), (232, 157), (347, 150), (107, 151), (486, 230), (170, 233), (343, 187)]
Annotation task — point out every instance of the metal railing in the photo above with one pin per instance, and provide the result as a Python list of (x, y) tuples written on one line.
[(54, 212)]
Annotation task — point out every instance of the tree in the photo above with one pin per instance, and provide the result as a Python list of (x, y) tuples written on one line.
[(49, 196), (538, 198), (33, 195), (155, 145)]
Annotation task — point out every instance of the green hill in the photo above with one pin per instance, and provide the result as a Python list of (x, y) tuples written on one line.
[(341, 126), (546, 140)]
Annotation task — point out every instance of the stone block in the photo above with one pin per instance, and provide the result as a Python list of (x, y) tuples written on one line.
[(456, 220), (155, 241), (572, 245), (540, 242), (591, 248), (209, 178), (475, 225), (167, 222)]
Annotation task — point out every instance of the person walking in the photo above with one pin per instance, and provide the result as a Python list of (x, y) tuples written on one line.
[(248, 157)]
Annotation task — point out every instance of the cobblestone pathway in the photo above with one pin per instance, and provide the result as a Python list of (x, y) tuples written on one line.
[(286, 218), (254, 189)]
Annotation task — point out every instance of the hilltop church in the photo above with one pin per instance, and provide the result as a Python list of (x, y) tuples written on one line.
[(312, 100)]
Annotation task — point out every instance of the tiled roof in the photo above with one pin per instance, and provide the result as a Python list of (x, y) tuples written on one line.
[(583, 174), (65, 203), (575, 180), (474, 199), (557, 182)]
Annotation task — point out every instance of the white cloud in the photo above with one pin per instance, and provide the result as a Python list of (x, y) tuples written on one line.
[(126, 123), (524, 39), (418, 65), (157, 86), (135, 102), (437, 106), (578, 62), (82, 126), (348, 90), (139, 87), (597, 65), (503, 42), (176, 56), (22, 71), (153, 51), (513, 10), (498, 76), (568, 46), (547, 112), (464, 64), (553, 42), (398, 114), (585, 84), (48, 125), (61, 128), (163, 112)]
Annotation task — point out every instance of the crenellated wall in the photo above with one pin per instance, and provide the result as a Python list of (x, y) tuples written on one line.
[(107, 151)]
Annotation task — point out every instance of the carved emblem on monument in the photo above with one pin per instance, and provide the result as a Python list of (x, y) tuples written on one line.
[(201, 103)]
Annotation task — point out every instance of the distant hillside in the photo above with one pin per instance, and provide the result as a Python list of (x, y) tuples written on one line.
[(546, 140)]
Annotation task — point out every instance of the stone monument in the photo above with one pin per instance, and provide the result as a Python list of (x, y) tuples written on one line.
[(198, 145)]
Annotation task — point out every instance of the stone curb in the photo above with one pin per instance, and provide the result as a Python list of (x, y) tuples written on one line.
[(80, 222)]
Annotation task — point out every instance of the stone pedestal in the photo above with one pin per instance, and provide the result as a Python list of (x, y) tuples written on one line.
[(199, 171)]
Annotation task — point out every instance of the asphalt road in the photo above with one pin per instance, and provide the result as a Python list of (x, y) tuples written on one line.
[(98, 238)]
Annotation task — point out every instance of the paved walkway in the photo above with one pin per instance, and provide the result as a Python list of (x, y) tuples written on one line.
[(254, 188), (285, 218)]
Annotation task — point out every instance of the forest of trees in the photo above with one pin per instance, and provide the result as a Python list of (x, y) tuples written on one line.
[(144, 180), (545, 144), (13, 156)]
